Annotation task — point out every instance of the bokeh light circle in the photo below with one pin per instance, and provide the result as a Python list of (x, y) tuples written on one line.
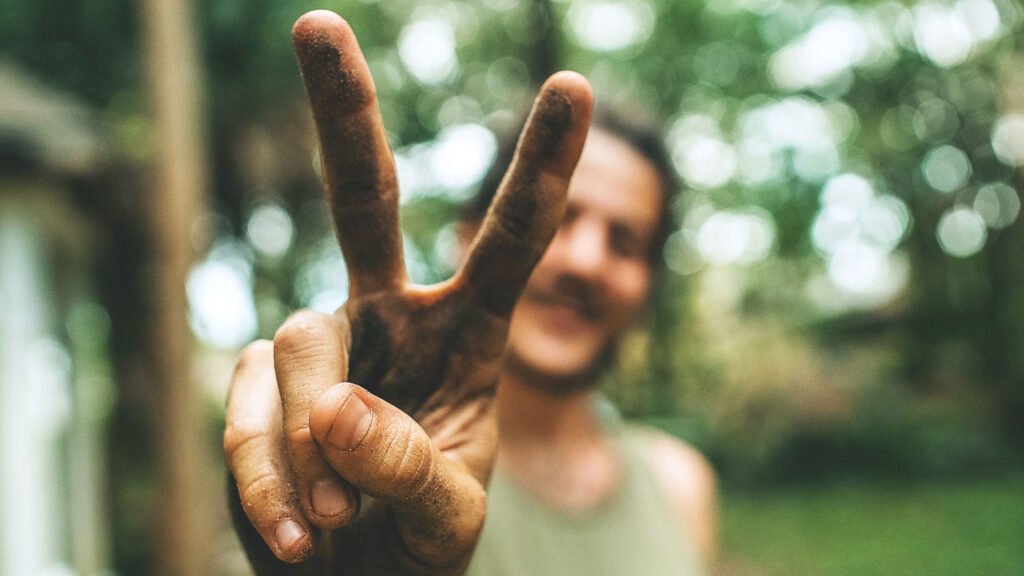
[(961, 232)]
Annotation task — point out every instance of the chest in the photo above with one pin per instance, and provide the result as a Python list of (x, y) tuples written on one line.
[(633, 532)]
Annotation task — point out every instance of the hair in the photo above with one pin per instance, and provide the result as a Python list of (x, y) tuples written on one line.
[(638, 131)]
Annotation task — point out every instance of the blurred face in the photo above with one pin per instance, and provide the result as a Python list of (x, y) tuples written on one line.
[(595, 276)]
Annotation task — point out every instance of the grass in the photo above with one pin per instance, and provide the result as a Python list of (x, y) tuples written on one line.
[(854, 529)]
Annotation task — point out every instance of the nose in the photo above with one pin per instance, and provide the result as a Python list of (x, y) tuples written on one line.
[(582, 249)]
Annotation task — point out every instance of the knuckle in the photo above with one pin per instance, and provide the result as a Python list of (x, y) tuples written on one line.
[(299, 330), (255, 352), (362, 189), (300, 437), (255, 359), (240, 433), (515, 225), (263, 496)]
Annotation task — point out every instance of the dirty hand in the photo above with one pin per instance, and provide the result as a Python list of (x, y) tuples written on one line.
[(361, 442)]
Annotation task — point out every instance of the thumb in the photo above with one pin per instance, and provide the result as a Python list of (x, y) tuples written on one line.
[(438, 505)]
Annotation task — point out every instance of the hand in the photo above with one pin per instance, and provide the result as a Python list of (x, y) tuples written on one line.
[(360, 443)]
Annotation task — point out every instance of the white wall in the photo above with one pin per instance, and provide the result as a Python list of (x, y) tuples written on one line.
[(48, 458)]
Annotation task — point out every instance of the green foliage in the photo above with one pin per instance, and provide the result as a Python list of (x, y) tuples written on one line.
[(768, 363), (87, 48), (867, 529)]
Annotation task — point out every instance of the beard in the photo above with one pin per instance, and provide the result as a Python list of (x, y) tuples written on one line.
[(562, 385)]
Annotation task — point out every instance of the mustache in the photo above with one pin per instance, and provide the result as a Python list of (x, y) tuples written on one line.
[(566, 290)]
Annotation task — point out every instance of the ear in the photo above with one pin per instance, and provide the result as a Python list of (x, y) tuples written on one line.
[(466, 230)]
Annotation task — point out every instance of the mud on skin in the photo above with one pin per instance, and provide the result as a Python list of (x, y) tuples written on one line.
[(393, 357)]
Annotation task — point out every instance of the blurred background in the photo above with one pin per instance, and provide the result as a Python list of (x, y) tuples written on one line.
[(841, 331)]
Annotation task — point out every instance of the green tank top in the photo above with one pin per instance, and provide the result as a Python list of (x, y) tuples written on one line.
[(633, 533)]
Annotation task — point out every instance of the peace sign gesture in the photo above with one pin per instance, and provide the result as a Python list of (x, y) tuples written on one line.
[(361, 442)]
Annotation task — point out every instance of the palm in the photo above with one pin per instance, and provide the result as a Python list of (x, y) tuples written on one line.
[(435, 354)]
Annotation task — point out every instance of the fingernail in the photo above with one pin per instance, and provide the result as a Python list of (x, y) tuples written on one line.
[(351, 424), (288, 533), (329, 498)]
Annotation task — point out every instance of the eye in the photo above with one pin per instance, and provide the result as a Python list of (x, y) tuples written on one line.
[(627, 243), (570, 216)]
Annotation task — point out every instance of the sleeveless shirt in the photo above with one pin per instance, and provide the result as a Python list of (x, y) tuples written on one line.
[(633, 532)]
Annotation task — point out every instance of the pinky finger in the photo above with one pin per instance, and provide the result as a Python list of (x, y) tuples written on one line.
[(254, 448)]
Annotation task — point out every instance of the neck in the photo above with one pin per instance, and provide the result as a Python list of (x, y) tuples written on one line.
[(553, 445), (531, 416)]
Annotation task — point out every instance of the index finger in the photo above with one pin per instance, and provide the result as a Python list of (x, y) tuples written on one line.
[(359, 171), (530, 202)]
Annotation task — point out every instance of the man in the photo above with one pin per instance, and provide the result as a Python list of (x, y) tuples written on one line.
[(335, 478), (579, 491)]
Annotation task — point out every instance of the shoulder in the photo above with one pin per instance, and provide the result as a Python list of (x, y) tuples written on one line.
[(681, 469), (689, 482)]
